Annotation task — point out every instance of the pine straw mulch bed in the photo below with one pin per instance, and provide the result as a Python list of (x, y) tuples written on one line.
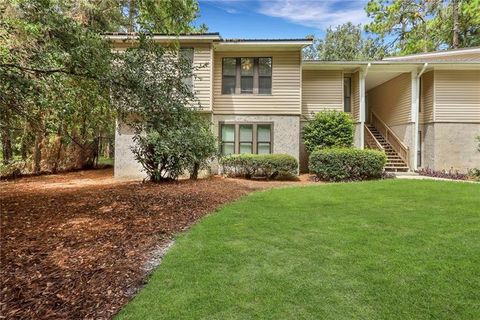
[(78, 245)]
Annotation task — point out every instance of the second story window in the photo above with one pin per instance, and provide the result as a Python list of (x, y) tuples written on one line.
[(186, 54), (247, 75)]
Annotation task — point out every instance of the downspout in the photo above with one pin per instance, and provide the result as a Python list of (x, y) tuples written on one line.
[(416, 117), (363, 75)]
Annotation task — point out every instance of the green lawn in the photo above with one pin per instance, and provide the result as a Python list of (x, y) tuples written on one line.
[(391, 249)]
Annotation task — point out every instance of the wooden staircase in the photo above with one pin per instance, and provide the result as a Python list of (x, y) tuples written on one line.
[(394, 161)]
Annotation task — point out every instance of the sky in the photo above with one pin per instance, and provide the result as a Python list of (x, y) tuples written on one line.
[(278, 18)]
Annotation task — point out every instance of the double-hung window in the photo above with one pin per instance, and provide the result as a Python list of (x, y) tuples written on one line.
[(227, 135), (246, 138), (347, 94), (186, 55), (247, 75)]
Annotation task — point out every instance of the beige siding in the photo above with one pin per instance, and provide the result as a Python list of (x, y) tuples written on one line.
[(203, 83), (391, 100), (285, 97), (356, 96), (321, 89), (426, 99), (457, 96)]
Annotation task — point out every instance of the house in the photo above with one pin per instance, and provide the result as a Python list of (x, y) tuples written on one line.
[(423, 110)]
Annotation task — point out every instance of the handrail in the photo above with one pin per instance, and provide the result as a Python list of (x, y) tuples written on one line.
[(397, 144), (369, 138)]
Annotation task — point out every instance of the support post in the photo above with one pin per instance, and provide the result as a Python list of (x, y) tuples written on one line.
[(363, 75)]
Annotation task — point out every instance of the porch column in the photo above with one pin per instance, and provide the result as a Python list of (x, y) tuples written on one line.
[(414, 118), (362, 109), (363, 75)]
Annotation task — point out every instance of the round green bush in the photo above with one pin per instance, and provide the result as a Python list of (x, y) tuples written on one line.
[(270, 166), (329, 129), (347, 164)]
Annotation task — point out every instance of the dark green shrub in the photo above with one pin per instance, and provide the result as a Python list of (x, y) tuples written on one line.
[(347, 164), (329, 129), (270, 166)]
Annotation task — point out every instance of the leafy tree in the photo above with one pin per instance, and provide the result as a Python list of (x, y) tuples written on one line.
[(345, 42), (328, 129), (152, 97), (54, 63), (412, 26)]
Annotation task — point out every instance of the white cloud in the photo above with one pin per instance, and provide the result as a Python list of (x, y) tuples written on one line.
[(316, 14)]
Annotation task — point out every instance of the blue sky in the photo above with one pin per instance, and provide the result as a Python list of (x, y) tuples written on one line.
[(278, 18)]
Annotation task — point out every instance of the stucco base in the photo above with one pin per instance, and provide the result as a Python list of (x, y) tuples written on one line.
[(357, 138), (286, 130), (125, 166), (448, 146), (405, 132)]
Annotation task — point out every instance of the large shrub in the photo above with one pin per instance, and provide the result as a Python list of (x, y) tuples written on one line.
[(347, 164), (269, 166), (329, 129)]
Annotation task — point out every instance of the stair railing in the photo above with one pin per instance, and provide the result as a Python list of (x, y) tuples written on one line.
[(397, 144), (372, 142)]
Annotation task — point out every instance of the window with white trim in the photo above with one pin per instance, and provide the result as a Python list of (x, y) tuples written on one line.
[(246, 138)]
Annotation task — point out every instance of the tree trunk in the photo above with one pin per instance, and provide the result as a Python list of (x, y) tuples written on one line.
[(456, 29), (194, 175), (131, 16), (6, 146), (37, 152)]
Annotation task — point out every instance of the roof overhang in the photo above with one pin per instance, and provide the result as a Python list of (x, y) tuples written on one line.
[(261, 45), (392, 66), (437, 54), (200, 38)]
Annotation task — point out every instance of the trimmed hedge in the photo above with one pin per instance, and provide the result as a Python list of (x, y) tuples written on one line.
[(329, 129), (347, 164), (269, 166)]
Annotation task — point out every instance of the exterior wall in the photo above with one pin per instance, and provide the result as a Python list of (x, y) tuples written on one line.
[(426, 98), (286, 86), (286, 130), (450, 145), (457, 96), (125, 165), (392, 101), (321, 89), (202, 84)]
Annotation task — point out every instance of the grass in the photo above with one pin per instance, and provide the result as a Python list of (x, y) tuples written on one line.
[(373, 250)]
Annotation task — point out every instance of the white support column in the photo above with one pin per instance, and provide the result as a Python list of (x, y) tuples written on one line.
[(363, 75), (362, 109), (414, 118)]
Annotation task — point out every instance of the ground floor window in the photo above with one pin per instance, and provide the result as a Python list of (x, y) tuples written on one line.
[(245, 138)]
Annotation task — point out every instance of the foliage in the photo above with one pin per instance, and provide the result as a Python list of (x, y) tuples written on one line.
[(329, 129), (347, 164), (13, 169), (269, 166), (55, 108), (413, 26), (345, 42), (474, 174), (446, 174), (149, 91)]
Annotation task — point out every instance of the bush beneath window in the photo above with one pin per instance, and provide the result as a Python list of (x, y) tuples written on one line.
[(347, 164), (269, 166), (329, 129)]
